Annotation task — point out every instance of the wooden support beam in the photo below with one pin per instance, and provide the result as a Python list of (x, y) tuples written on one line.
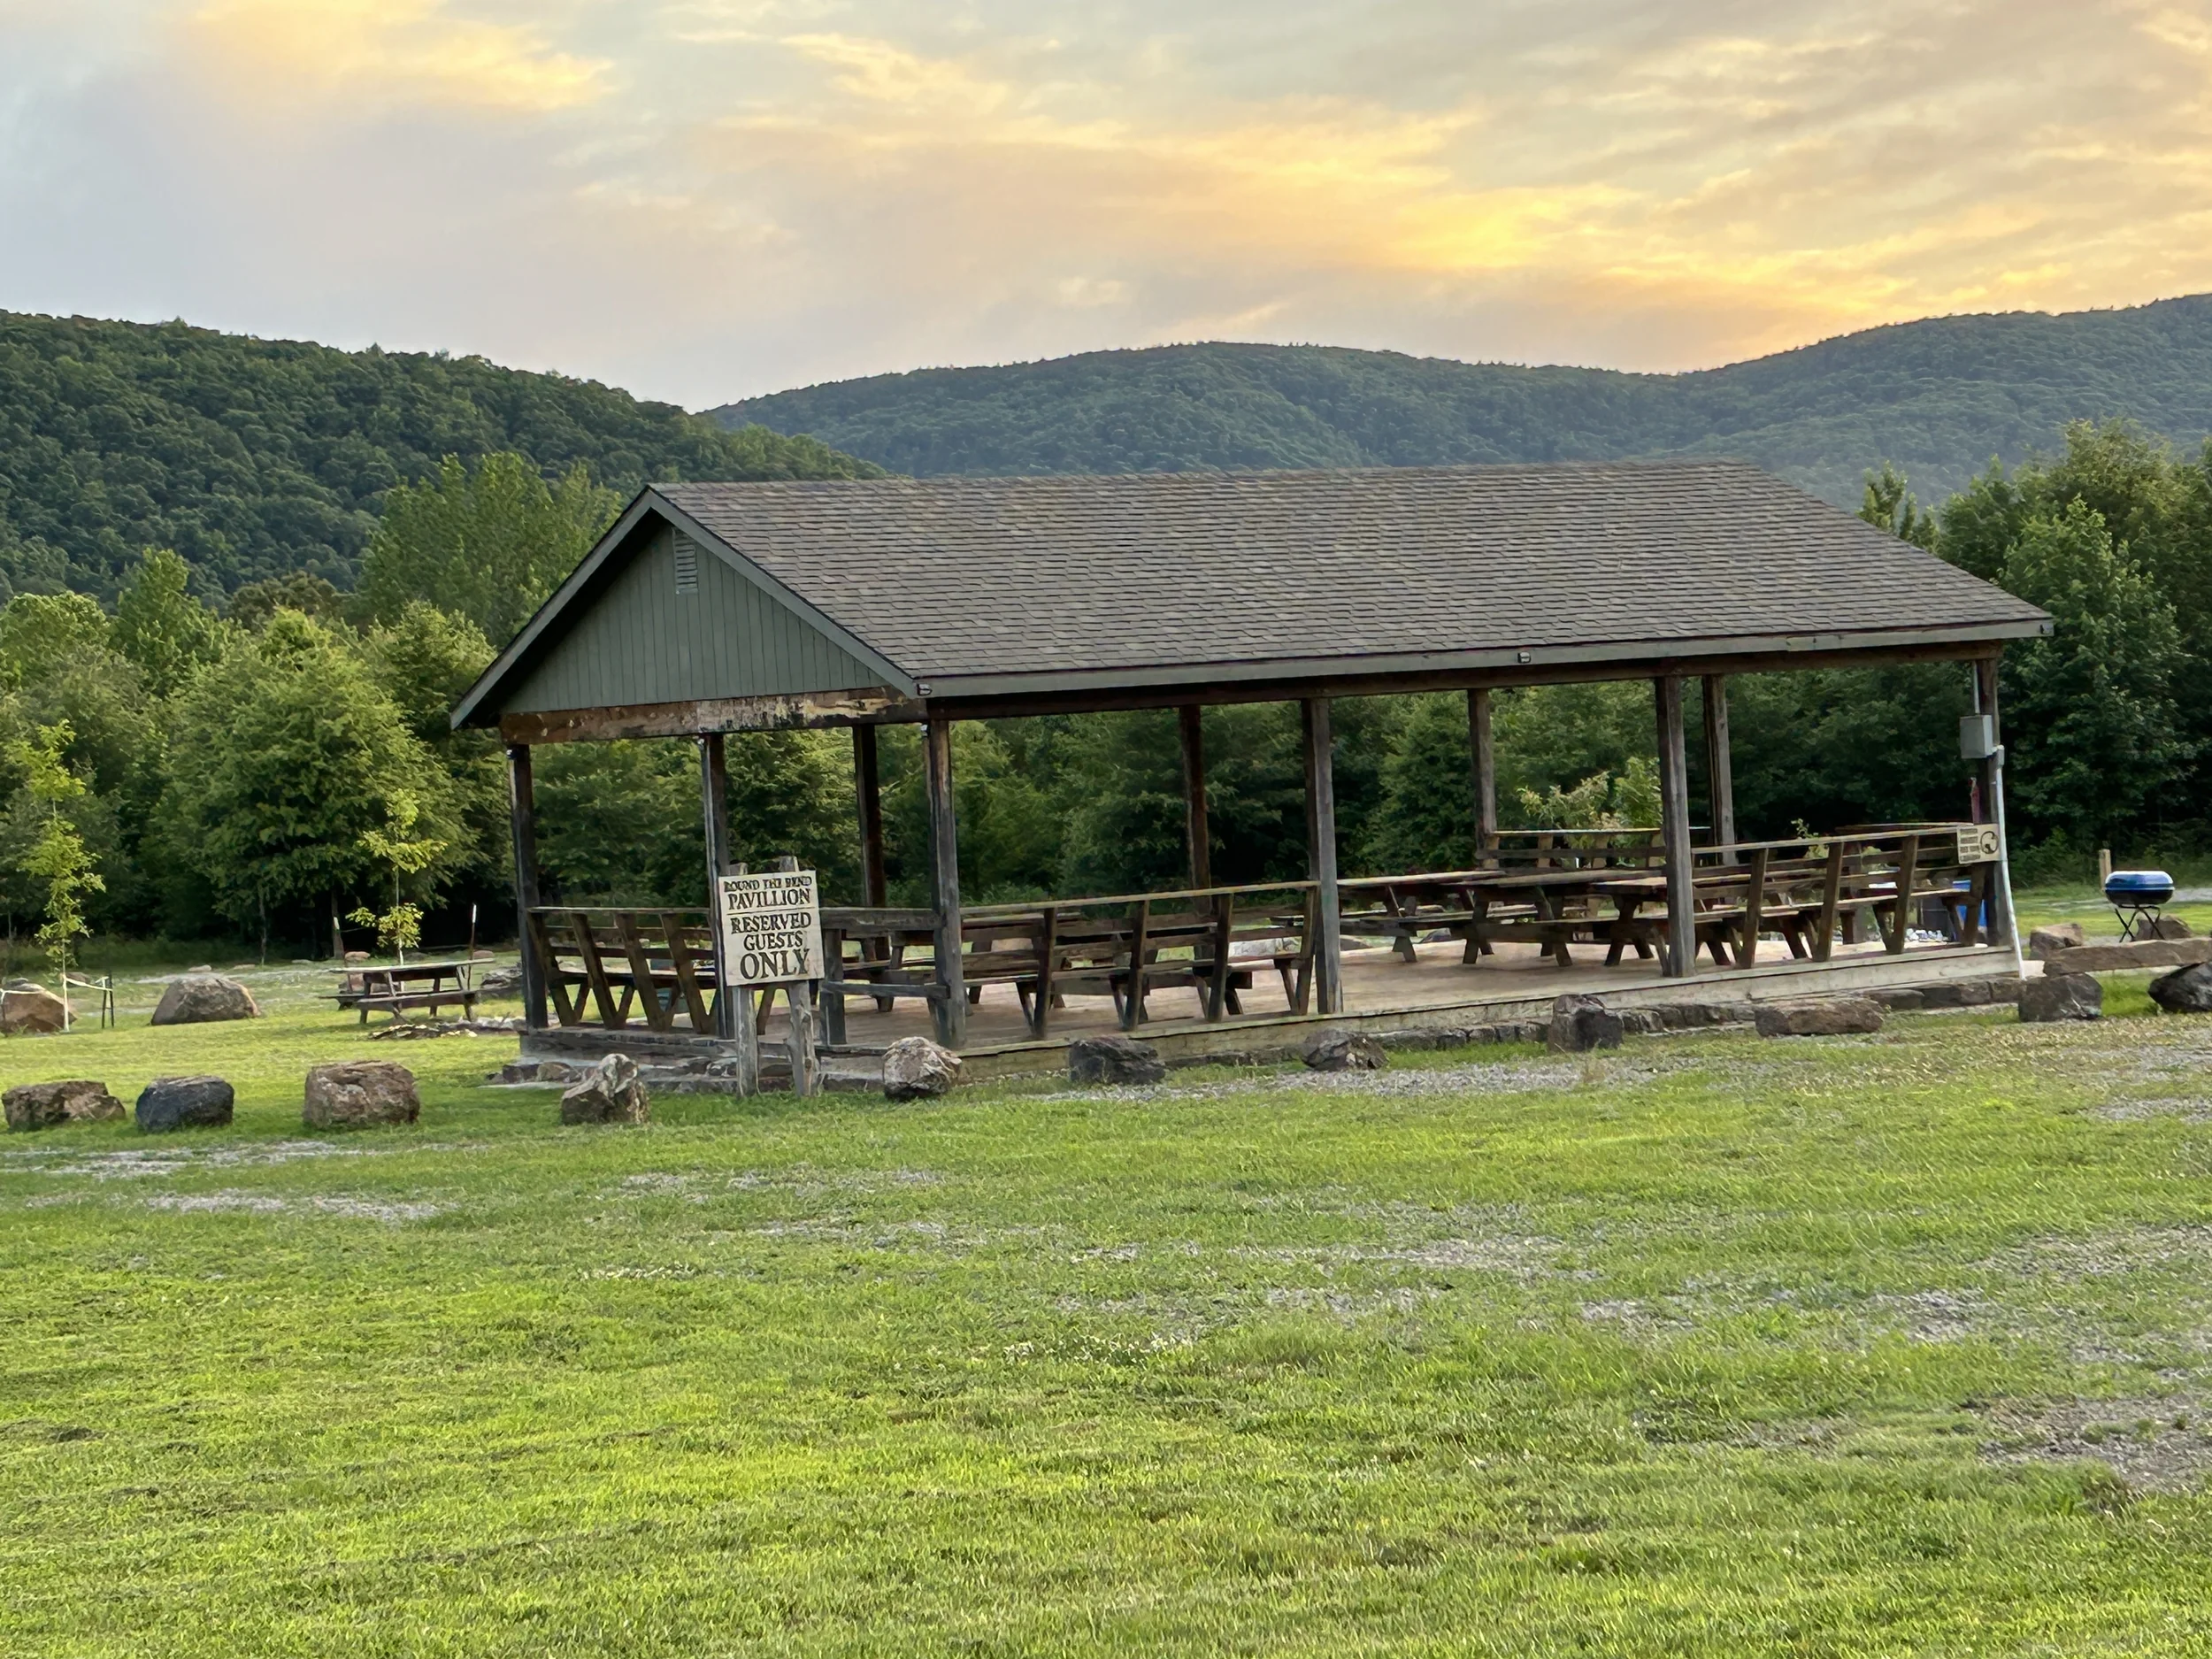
[(802, 709), (1483, 761), (1674, 824), (804, 1046), (868, 788), (2000, 918), (1197, 834), (522, 816), (732, 1004), (950, 1010), (1328, 945), (1720, 778)]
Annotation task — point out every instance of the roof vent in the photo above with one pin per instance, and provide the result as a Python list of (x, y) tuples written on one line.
[(687, 565)]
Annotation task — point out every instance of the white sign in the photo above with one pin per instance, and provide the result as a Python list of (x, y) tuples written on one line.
[(1977, 844), (771, 927)]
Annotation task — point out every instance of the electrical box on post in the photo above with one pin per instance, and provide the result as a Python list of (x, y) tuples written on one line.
[(1978, 736)]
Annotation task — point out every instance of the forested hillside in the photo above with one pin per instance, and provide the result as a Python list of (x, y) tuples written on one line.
[(1938, 397), (256, 458)]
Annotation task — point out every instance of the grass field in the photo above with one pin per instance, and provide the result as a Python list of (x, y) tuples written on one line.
[(1866, 1345)]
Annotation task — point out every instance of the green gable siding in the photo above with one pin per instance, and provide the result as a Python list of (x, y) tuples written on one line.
[(643, 640)]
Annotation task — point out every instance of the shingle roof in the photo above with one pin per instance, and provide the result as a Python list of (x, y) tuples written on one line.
[(956, 578)]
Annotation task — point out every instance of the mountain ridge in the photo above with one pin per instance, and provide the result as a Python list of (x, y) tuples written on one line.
[(1940, 396)]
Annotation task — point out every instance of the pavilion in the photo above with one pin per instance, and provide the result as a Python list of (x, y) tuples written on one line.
[(722, 607)]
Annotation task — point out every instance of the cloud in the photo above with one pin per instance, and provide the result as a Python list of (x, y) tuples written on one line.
[(789, 190), (386, 52)]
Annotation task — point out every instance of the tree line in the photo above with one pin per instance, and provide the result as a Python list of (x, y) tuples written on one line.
[(285, 765)]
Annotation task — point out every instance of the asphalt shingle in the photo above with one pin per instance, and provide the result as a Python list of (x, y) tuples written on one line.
[(961, 577)]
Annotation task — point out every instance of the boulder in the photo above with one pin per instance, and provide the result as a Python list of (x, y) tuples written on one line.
[(26, 1008), (1824, 1016), (1333, 1051), (505, 981), (184, 1102), (1114, 1060), (42, 1105), (2170, 927), (358, 1094), (2046, 942), (610, 1093), (914, 1068), (2050, 997), (200, 998), (1579, 1023), (2185, 990)]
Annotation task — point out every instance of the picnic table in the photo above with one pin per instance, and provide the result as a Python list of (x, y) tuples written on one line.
[(400, 986)]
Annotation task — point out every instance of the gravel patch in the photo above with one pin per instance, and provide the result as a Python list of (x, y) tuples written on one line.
[(2188, 1109), (2155, 1444), (1476, 1078), (235, 1202)]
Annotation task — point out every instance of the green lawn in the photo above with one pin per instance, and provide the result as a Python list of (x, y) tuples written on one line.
[(1882, 1346)]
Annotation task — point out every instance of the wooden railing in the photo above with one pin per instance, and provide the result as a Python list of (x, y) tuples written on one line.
[(598, 965), (1812, 892), (1124, 946), (605, 967)]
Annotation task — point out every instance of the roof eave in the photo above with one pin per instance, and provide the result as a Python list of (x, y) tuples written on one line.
[(1134, 677), (477, 705)]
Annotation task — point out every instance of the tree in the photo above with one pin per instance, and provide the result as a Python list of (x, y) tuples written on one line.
[(488, 542), (160, 626), (290, 757), (38, 631), (2090, 716), (59, 858), (252, 606), (1890, 506), (407, 856)]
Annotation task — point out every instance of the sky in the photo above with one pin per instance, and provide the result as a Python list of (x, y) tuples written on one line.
[(709, 199)]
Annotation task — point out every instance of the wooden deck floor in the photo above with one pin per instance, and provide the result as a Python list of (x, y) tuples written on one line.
[(1515, 982)]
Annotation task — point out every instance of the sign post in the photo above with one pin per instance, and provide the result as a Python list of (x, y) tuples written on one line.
[(769, 929)]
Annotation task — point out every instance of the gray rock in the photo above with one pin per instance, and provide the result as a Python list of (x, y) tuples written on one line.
[(2169, 927), (28, 1009), (2050, 997), (505, 981), (1333, 1050), (1824, 1016), (610, 1093), (185, 1103), (202, 998), (1579, 1023), (1114, 1060), (2185, 990), (1899, 1001), (44, 1105), (359, 1094), (914, 1068), (2046, 942)]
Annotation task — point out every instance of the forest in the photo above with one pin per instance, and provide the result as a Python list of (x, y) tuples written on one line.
[(280, 763), (256, 460), (1939, 397)]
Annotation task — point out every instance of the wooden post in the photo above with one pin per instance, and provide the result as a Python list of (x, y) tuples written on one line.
[(1328, 950), (1196, 834), (1989, 787), (868, 787), (950, 1007), (522, 812), (1674, 824), (1483, 758), (799, 1015), (1719, 770), (732, 1004)]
